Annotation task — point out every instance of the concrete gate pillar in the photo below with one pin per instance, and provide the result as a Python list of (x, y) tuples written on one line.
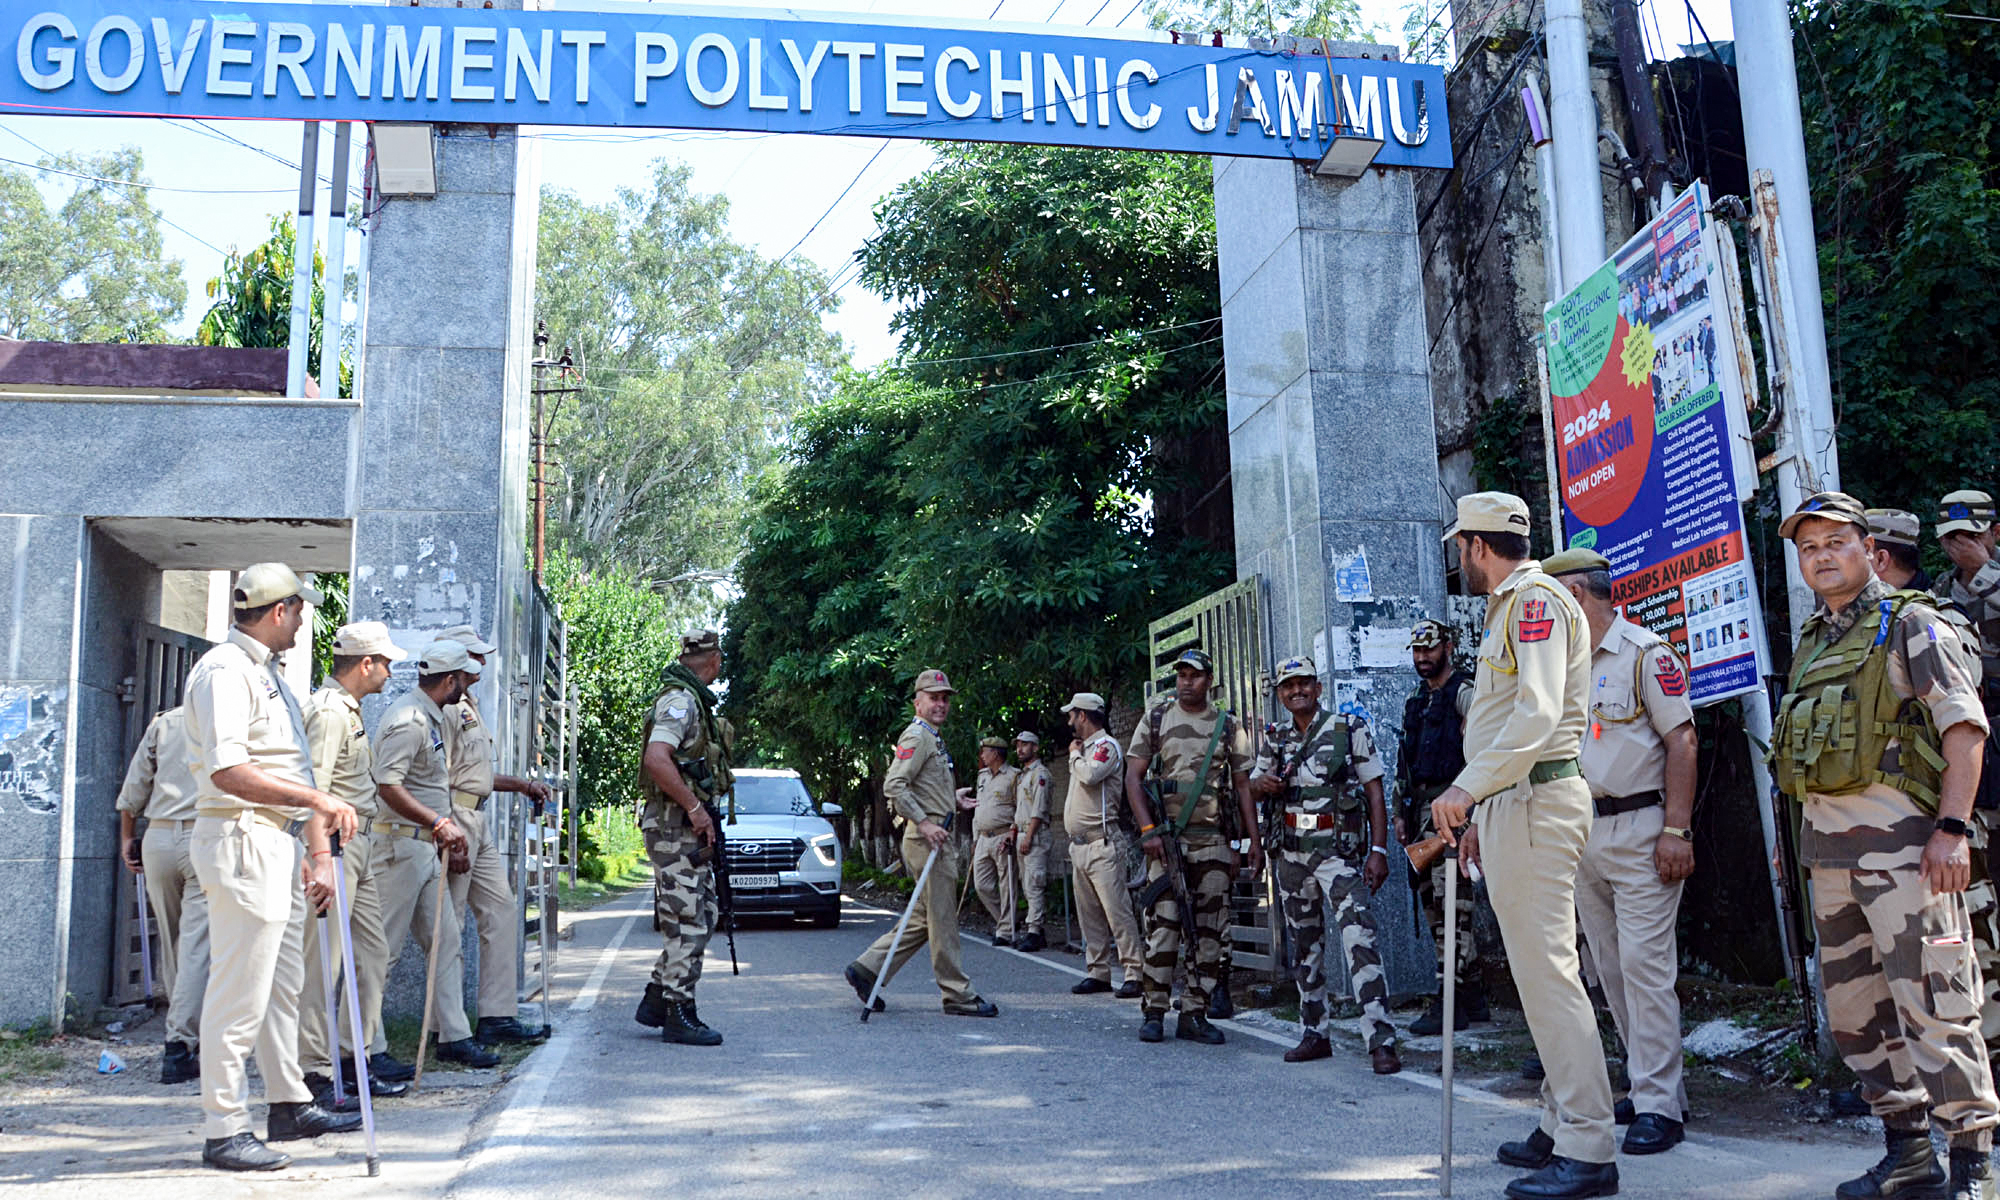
[(1332, 448)]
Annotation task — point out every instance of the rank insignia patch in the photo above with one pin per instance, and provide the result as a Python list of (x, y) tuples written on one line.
[(1672, 680), (1535, 624)]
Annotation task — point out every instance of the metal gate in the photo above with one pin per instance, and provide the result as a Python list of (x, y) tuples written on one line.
[(163, 658), (549, 756), (1229, 626)]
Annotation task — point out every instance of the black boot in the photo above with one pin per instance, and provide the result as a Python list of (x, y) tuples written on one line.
[(1971, 1175), (291, 1121), (652, 1007), (693, 1017), (322, 1090), (863, 983), (1152, 1028), (508, 1029), (385, 1067), (1471, 1006), (1909, 1169), (467, 1052), (1194, 1027), (674, 1028), (179, 1063), (243, 1152), (1221, 1005), (1431, 1024)]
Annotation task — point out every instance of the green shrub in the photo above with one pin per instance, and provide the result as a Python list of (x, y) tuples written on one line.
[(611, 844)]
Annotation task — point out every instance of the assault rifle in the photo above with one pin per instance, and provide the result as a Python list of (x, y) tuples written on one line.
[(1798, 932), (1173, 878), (725, 896)]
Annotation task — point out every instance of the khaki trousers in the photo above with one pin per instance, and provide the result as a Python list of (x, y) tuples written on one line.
[(484, 891), (371, 962), (1034, 877), (933, 920), (1530, 840), (256, 922), (993, 878), (1628, 919), (1104, 910), (407, 874), (182, 909)]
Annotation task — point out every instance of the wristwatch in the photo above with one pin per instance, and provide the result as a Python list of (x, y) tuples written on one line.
[(1952, 826), (1686, 835)]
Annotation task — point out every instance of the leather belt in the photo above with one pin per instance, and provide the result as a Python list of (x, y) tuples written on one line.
[(1306, 822), (399, 829), (1554, 769), (1612, 806), (292, 826)]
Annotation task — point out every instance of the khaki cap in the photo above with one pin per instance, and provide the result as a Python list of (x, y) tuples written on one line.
[(933, 681), (1427, 633), (467, 636), (1894, 526), (446, 655), (1489, 512), (270, 582), (701, 641), (1085, 702), (1575, 559), (1828, 506), (366, 637), (1296, 667), (1969, 510), (1025, 736), (993, 743)]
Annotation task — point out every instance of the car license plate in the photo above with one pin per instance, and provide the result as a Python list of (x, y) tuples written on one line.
[(753, 881)]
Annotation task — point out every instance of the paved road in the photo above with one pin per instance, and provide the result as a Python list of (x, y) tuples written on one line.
[(1054, 1096)]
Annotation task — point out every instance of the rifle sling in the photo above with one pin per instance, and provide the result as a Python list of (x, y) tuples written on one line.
[(1180, 823)]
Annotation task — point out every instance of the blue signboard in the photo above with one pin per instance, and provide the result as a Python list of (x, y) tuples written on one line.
[(661, 68)]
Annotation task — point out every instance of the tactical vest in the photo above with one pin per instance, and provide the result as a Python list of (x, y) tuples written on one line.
[(1839, 715), (1225, 800), (1334, 792), (1433, 740), (707, 775)]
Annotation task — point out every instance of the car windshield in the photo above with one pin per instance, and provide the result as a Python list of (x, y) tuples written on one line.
[(772, 795)]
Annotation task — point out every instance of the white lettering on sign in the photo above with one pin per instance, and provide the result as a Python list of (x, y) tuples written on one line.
[(645, 47), (1069, 88), (61, 59), (896, 77), (583, 40), (425, 63), (805, 69), (535, 67), (1203, 120), (463, 60), (1024, 87), (220, 56), (1307, 114), (135, 54), (732, 70), (293, 61), (1135, 69), (854, 52), (1367, 114), (758, 98), (968, 60), (174, 68), (342, 55)]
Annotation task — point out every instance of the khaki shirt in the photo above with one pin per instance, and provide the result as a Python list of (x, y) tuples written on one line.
[(920, 784), (1531, 691), (410, 752), (470, 745), (1032, 785), (1183, 739), (240, 711), (158, 785), (341, 758), (995, 792), (1096, 789), (677, 724), (1638, 694), (1881, 828)]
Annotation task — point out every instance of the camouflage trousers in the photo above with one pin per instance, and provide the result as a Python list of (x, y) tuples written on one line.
[(685, 905), (1210, 868), (1307, 885), (1902, 996), (1982, 906)]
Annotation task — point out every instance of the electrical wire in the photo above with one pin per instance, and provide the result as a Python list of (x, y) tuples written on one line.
[(160, 216), (836, 200), (156, 187)]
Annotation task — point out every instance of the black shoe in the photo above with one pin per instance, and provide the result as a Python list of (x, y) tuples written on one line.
[(322, 1090), (467, 1052), (1153, 1028), (1194, 1027), (1566, 1179), (243, 1152), (1622, 1113), (674, 1028), (1471, 1005), (1972, 1175), (974, 1007), (652, 1007), (179, 1063), (862, 983), (1531, 1153), (1090, 985), (1531, 1068), (506, 1029), (1910, 1169), (1031, 942), (1431, 1023), (384, 1067), (290, 1122), (1002, 941), (1652, 1133), (693, 1016), (1221, 1005), (1129, 990)]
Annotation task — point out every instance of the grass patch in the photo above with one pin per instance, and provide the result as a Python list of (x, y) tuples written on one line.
[(402, 1035), (27, 1054), (589, 893), (857, 872), (612, 844)]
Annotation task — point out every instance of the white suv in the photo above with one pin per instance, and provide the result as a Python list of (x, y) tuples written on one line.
[(784, 857)]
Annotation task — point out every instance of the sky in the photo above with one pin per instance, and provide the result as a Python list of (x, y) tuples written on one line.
[(217, 183)]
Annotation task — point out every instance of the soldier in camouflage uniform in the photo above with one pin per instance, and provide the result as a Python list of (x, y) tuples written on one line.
[(684, 770), (1182, 732), (1968, 535), (1884, 835), (1307, 773), (1895, 559)]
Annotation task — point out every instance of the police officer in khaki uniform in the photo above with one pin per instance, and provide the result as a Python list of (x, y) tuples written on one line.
[(412, 776), (1896, 564), (919, 787), (159, 790), (246, 745), (482, 889), (1031, 836), (362, 654), (1531, 813), (1094, 819), (993, 867), (1883, 831), (1639, 760)]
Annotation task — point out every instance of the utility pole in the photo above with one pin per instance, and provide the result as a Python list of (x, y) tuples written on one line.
[(1640, 108), (302, 264), (1573, 127), (538, 431)]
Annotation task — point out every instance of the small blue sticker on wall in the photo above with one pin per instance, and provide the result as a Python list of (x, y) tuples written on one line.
[(1351, 584), (13, 713)]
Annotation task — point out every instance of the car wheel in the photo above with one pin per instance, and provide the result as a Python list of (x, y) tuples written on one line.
[(830, 919)]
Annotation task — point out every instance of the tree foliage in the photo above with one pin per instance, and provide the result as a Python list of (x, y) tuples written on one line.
[(1903, 138), (1301, 18), (252, 302), (1013, 501), (94, 268)]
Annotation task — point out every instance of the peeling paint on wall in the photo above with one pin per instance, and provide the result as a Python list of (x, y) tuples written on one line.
[(31, 748)]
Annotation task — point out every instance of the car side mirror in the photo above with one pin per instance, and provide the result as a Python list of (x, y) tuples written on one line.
[(829, 810)]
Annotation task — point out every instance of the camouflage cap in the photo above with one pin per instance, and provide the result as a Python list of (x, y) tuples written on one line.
[(701, 641), (1428, 633), (1574, 560), (993, 743), (933, 681), (1195, 660), (1030, 738), (1894, 526), (1296, 667), (1489, 512), (1827, 506), (1968, 510)]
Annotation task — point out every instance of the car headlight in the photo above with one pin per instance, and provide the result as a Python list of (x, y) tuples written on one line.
[(828, 848)]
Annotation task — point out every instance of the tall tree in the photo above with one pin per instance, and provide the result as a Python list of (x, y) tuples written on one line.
[(252, 301), (1301, 18), (92, 269)]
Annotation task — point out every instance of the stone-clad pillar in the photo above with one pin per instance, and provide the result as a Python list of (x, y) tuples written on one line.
[(1332, 448)]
